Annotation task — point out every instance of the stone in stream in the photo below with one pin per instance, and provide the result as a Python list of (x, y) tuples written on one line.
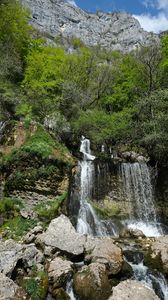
[(103, 250), (132, 290), (9, 290), (62, 236), (58, 272), (91, 282)]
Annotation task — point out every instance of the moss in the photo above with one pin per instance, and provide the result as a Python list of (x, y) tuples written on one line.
[(50, 210), (17, 227), (40, 144), (153, 262), (107, 212)]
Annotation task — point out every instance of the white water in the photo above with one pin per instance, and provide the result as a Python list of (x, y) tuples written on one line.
[(142, 273), (138, 190), (69, 290), (88, 222), (2, 125)]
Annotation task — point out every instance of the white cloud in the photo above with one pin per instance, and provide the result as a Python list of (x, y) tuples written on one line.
[(162, 5), (153, 23), (72, 2)]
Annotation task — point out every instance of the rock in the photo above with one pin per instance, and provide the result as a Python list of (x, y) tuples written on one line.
[(60, 294), (31, 256), (132, 290), (136, 233), (91, 282), (58, 272), (11, 252), (62, 236), (9, 290), (160, 249), (116, 30), (31, 235), (103, 250)]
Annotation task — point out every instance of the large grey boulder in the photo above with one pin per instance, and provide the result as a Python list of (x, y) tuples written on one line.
[(104, 251), (62, 236), (132, 290), (9, 290), (117, 30), (58, 272), (91, 282)]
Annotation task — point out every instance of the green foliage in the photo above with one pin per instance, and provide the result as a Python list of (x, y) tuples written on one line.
[(107, 212), (17, 227), (37, 285), (153, 121), (50, 210), (9, 205), (15, 38), (102, 127)]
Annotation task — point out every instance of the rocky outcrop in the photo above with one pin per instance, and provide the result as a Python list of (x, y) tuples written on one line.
[(117, 31), (62, 236), (91, 282), (131, 289), (9, 290), (160, 249), (104, 251)]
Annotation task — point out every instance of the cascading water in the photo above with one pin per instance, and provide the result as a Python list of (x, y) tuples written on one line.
[(88, 222), (153, 280), (138, 190)]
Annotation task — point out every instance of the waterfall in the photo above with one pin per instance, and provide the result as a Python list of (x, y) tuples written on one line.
[(154, 280), (136, 181), (88, 222), (2, 126)]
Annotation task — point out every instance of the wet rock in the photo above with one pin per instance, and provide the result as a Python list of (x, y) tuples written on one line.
[(160, 249), (103, 250), (136, 233), (60, 294), (91, 282), (9, 290), (132, 290), (62, 236), (58, 272)]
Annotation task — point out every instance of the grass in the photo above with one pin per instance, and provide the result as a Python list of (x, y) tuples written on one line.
[(9, 205), (17, 227), (37, 285), (51, 209)]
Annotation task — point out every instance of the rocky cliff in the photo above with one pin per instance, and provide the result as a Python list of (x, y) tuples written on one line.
[(116, 31)]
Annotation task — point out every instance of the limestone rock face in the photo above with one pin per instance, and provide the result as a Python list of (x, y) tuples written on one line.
[(160, 247), (58, 272), (91, 282), (62, 236), (9, 290), (131, 290), (103, 250), (117, 31)]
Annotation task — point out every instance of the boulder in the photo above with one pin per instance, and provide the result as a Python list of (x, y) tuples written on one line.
[(9, 290), (62, 236), (31, 235), (160, 249), (11, 252), (58, 272), (132, 290), (103, 250), (91, 282)]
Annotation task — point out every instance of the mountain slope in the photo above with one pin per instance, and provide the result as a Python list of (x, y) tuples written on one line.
[(116, 31)]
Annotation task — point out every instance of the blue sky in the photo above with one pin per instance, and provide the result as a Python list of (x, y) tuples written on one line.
[(152, 14)]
